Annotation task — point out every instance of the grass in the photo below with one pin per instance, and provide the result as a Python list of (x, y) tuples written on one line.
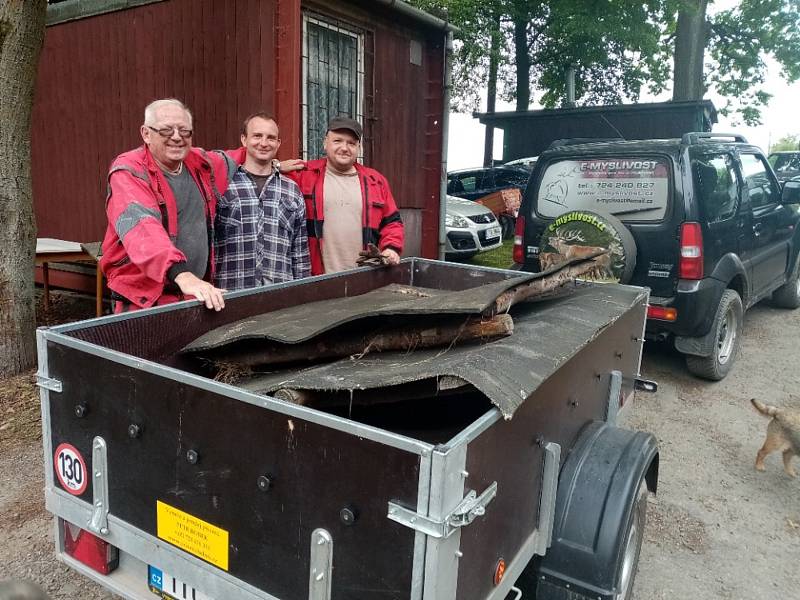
[(499, 258)]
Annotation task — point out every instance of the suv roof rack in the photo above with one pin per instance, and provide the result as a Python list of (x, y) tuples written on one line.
[(698, 136), (582, 140)]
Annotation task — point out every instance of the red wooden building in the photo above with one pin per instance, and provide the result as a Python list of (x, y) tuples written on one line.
[(379, 61)]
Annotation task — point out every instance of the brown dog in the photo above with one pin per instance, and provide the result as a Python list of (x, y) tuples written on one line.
[(783, 433)]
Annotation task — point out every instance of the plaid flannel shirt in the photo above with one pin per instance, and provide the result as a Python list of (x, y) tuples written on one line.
[(260, 239)]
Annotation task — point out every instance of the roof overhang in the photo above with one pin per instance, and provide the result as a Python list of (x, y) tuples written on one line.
[(509, 118)]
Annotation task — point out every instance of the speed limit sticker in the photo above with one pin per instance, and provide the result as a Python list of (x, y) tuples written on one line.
[(71, 469)]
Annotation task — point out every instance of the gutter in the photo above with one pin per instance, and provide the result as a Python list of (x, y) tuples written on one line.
[(418, 15)]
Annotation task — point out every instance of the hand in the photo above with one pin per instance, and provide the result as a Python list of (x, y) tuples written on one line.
[(392, 256), (293, 164), (190, 285)]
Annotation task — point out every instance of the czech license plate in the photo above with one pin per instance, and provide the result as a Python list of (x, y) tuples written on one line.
[(493, 232), (168, 587)]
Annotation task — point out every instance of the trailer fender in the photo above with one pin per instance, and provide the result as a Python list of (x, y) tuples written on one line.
[(598, 492)]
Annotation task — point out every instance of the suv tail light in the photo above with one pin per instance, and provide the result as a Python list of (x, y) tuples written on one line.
[(519, 231), (89, 549), (690, 265)]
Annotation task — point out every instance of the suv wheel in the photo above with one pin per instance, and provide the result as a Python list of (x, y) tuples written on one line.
[(788, 295), (727, 329), (507, 226)]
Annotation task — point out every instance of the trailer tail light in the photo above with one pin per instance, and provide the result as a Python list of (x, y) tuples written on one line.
[(499, 571), (89, 549), (662, 313), (519, 231), (690, 265)]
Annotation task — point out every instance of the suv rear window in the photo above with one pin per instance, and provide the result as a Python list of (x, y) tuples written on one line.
[(633, 188)]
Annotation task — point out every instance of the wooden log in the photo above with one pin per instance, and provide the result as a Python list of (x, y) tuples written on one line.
[(333, 346), (552, 283)]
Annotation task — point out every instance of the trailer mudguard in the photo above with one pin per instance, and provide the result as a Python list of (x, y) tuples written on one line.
[(597, 491)]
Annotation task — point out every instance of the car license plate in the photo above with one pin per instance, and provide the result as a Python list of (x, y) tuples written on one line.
[(168, 587), (493, 232)]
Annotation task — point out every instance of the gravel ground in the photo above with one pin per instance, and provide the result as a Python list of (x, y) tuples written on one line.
[(718, 529)]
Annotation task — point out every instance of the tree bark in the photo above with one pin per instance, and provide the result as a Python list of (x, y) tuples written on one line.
[(691, 37), (21, 36), (491, 96), (522, 56)]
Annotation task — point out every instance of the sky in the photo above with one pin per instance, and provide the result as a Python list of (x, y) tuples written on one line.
[(781, 117)]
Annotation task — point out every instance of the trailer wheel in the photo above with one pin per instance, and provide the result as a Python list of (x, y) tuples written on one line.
[(629, 561), (599, 521)]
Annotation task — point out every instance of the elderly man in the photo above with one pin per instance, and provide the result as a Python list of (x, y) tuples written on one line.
[(353, 202), (161, 204), (260, 232)]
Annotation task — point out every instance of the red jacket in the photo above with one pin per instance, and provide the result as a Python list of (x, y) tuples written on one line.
[(139, 245), (381, 222)]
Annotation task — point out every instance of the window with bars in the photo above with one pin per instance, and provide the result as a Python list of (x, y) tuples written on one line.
[(333, 78)]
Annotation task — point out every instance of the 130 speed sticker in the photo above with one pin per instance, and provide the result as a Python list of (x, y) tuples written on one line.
[(71, 469)]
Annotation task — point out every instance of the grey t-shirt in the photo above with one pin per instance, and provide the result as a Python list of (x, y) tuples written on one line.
[(192, 229)]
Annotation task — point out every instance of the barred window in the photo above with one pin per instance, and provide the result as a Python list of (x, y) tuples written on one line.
[(333, 78)]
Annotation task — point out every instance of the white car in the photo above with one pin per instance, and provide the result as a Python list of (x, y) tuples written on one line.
[(471, 228)]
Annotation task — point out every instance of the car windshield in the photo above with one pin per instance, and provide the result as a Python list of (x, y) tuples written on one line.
[(633, 188)]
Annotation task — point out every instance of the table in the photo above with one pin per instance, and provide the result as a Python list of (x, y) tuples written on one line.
[(50, 250)]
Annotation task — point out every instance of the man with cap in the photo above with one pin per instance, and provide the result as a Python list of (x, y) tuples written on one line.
[(348, 206)]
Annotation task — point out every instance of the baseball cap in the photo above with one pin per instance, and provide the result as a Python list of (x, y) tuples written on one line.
[(346, 123)]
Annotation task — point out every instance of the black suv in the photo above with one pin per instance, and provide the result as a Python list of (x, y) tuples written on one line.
[(701, 221)]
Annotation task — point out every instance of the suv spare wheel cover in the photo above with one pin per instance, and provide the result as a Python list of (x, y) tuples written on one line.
[(581, 233)]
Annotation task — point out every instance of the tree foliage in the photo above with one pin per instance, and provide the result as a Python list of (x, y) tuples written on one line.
[(740, 41), (622, 47), (787, 142), (615, 46)]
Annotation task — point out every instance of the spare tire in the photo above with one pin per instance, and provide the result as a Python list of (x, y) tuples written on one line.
[(581, 233)]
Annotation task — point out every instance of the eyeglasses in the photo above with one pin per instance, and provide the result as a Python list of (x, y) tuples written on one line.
[(167, 132)]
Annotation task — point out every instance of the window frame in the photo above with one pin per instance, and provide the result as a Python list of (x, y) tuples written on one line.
[(768, 174), (341, 28)]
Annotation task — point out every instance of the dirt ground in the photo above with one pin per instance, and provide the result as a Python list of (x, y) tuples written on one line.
[(717, 529)]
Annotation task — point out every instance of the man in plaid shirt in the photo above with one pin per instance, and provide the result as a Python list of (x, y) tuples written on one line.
[(260, 231)]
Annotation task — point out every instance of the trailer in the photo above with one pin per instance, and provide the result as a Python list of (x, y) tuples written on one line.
[(482, 470)]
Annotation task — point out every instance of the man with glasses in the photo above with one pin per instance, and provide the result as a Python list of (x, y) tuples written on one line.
[(161, 205), (260, 232)]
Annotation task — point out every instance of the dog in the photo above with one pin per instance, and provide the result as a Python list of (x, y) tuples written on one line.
[(783, 433)]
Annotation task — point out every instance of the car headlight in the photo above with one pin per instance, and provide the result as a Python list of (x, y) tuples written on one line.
[(455, 221)]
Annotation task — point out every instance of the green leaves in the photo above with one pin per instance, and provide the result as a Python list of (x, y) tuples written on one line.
[(621, 48), (740, 41)]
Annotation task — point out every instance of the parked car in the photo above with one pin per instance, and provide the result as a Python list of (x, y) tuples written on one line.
[(701, 221), (471, 228), (473, 184), (785, 164), (528, 162)]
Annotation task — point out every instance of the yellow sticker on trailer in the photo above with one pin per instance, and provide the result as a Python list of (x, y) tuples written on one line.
[(194, 535)]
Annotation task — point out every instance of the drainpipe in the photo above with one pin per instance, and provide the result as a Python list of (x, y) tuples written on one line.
[(448, 67)]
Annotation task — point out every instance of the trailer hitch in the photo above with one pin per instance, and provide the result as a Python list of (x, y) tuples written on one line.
[(471, 507)]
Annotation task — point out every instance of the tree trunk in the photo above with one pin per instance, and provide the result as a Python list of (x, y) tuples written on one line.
[(691, 37), (21, 37), (491, 97), (522, 57)]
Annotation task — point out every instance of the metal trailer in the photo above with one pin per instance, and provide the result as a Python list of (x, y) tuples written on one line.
[(164, 480)]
